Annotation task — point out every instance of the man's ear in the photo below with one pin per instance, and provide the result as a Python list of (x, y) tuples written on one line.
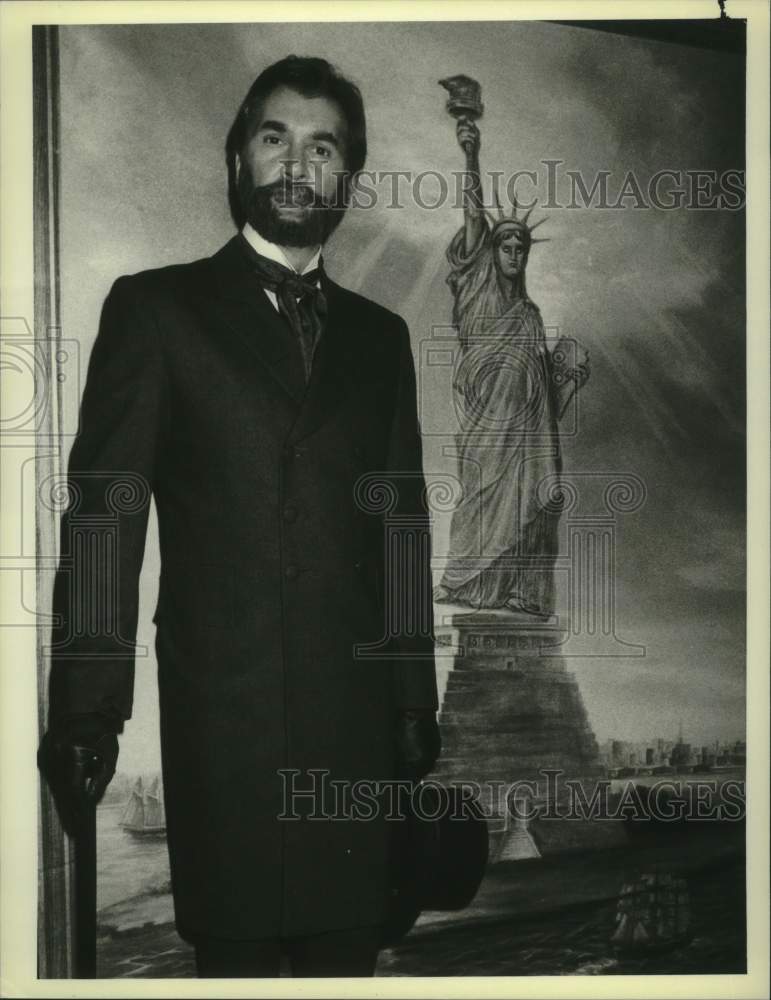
[(238, 166)]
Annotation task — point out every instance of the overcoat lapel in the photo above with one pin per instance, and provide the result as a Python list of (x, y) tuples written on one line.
[(337, 364), (243, 305)]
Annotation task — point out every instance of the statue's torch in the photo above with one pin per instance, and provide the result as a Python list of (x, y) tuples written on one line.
[(465, 101)]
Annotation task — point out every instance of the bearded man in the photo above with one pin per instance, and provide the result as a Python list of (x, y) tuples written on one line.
[(252, 396)]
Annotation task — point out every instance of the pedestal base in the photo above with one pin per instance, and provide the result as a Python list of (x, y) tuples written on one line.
[(514, 726)]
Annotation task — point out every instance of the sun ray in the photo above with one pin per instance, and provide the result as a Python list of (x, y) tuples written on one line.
[(497, 199)]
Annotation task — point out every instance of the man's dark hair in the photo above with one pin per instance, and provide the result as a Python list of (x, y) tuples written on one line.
[(310, 77)]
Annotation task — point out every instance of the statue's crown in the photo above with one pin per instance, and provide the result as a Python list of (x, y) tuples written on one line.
[(514, 221)]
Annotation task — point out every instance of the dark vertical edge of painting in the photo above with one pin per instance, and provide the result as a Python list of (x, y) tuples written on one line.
[(55, 865)]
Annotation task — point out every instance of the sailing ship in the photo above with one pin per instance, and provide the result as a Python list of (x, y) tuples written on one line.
[(144, 815), (653, 914)]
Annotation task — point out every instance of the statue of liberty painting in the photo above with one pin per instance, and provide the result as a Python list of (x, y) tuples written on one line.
[(510, 392)]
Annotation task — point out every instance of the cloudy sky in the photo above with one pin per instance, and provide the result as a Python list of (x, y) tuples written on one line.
[(657, 297)]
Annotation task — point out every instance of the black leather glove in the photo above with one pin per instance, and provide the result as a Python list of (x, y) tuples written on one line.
[(78, 757), (418, 743)]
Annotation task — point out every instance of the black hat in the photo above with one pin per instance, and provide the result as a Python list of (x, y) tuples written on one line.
[(439, 853)]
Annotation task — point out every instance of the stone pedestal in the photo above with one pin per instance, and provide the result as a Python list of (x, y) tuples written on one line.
[(512, 711)]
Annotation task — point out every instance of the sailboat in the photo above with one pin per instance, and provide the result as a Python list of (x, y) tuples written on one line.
[(144, 815), (653, 914)]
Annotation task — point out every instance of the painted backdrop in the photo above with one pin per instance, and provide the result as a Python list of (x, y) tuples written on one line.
[(656, 296)]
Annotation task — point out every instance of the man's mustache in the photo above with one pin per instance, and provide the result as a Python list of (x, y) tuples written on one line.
[(288, 192)]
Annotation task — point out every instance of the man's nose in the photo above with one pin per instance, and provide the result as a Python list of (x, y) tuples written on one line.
[(297, 166)]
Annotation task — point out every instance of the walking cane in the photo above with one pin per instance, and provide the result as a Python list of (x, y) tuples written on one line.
[(85, 765), (69, 771)]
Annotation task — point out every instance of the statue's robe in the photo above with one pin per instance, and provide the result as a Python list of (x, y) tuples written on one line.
[(503, 537)]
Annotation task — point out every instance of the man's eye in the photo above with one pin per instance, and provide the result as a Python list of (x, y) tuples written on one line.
[(272, 140), (322, 151)]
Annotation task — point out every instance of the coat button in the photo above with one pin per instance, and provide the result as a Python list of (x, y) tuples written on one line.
[(290, 513), (291, 572)]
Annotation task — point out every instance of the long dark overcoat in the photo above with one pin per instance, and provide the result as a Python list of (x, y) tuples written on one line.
[(273, 554)]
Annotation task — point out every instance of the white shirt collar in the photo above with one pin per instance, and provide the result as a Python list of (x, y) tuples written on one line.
[(274, 252)]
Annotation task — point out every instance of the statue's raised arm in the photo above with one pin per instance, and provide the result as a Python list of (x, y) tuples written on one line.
[(473, 212), (465, 105)]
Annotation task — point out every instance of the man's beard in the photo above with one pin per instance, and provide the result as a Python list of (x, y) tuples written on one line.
[(312, 228)]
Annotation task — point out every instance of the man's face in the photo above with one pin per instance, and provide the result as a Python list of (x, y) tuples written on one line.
[(291, 170), (512, 255)]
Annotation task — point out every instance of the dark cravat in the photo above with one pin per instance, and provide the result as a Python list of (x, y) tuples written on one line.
[(300, 301)]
